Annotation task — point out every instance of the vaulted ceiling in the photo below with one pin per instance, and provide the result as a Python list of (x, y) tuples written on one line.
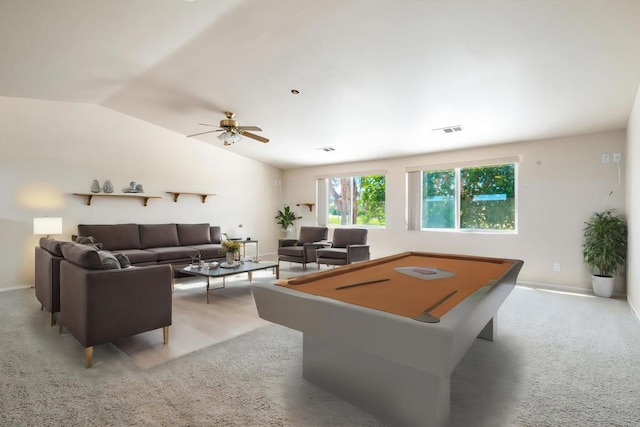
[(375, 77)]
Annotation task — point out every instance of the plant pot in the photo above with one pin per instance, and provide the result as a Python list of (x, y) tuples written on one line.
[(229, 256), (602, 285)]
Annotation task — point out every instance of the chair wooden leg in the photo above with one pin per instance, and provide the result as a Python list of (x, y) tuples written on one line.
[(53, 319), (88, 357), (165, 335)]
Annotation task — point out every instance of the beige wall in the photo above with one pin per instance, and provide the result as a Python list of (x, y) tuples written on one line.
[(49, 150), (561, 182), (633, 207)]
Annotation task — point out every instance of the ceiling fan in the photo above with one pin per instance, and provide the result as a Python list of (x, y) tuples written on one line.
[(232, 131)]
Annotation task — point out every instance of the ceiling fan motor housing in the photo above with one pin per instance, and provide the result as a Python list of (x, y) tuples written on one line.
[(229, 123)]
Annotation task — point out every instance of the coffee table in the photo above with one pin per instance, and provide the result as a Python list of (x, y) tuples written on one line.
[(244, 267)]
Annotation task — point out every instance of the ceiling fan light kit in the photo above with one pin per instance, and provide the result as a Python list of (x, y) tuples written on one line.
[(232, 131)]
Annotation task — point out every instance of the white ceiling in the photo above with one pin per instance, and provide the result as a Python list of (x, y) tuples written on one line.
[(375, 76)]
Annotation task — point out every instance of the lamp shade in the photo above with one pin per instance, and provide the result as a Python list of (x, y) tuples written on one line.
[(47, 225)]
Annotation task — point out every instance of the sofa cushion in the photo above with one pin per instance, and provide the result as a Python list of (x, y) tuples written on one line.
[(193, 234), (334, 253), (83, 256), (216, 234), (174, 253), (158, 236), (349, 236), (113, 237), (312, 234), (52, 246), (208, 251), (139, 256)]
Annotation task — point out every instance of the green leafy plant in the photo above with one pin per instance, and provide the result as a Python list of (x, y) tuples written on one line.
[(605, 242), (286, 217)]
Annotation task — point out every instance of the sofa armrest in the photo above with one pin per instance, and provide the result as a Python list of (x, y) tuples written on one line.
[(310, 250), (283, 243), (99, 306), (357, 253)]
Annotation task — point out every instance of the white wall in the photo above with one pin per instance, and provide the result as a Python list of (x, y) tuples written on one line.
[(633, 207), (49, 150), (561, 182)]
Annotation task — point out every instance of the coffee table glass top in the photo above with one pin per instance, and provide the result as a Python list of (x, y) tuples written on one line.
[(243, 267)]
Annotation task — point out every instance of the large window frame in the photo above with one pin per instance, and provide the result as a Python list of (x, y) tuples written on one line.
[(360, 189), (450, 191)]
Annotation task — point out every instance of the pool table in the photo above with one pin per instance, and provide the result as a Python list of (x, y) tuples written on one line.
[(386, 334)]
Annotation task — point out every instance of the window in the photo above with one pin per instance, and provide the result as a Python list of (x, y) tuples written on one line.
[(352, 200), (466, 198)]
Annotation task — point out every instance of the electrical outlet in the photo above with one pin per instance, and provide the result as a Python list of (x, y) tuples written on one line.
[(605, 158), (556, 267), (617, 157)]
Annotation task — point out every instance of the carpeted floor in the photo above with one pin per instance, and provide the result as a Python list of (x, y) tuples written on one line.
[(559, 360)]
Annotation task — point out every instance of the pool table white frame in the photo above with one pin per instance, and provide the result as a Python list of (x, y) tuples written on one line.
[(393, 367)]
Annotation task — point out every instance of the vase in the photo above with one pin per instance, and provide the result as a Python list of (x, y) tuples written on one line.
[(107, 187), (229, 258), (95, 186)]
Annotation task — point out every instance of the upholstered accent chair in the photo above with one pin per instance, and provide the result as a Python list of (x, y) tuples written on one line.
[(348, 245), (303, 249)]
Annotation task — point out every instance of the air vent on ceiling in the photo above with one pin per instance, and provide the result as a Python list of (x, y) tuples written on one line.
[(450, 129), (327, 149)]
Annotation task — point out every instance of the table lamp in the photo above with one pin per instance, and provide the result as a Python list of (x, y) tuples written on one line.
[(47, 226)]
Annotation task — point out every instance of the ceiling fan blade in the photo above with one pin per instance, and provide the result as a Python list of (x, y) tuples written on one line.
[(254, 136), (207, 124), (202, 133), (253, 128)]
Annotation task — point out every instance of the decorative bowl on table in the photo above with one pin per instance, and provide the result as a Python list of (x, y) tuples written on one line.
[(234, 264), (213, 265)]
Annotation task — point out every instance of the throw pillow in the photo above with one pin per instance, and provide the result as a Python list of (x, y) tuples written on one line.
[(123, 260), (109, 260), (89, 241)]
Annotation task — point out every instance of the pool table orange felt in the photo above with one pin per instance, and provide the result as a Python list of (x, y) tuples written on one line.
[(402, 294)]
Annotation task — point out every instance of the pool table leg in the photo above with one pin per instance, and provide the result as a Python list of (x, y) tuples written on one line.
[(395, 393), (490, 330)]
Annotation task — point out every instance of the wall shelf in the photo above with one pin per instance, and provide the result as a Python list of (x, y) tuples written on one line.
[(176, 195), (309, 205), (144, 197)]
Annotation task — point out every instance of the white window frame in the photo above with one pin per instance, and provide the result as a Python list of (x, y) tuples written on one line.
[(414, 195), (322, 200)]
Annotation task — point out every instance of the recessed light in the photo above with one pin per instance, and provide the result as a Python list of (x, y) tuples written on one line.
[(326, 149), (295, 91)]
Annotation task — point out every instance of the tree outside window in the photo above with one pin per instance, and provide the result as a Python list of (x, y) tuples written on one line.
[(476, 198), (357, 200)]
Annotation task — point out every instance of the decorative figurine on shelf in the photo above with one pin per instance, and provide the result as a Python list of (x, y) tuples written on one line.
[(107, 187), (133, 188), (95, 186)]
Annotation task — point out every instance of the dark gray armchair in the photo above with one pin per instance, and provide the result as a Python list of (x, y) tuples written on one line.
[(348, 245), (303, 249)]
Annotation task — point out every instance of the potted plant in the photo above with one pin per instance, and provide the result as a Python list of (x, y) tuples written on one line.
[(230, 248), (605, 249), (286, 218)]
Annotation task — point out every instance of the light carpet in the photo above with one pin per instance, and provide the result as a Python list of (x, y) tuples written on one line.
[(559, 360)]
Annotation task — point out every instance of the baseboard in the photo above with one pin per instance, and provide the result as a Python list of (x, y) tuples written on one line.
[(557, 288), (635, 312), (13, 288)]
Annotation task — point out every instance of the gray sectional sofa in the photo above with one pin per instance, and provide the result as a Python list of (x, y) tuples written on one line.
[(118, 282), (149, 244)]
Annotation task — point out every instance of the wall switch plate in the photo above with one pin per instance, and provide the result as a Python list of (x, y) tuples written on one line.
[(617, 157), (605, 158), (556, 267)]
